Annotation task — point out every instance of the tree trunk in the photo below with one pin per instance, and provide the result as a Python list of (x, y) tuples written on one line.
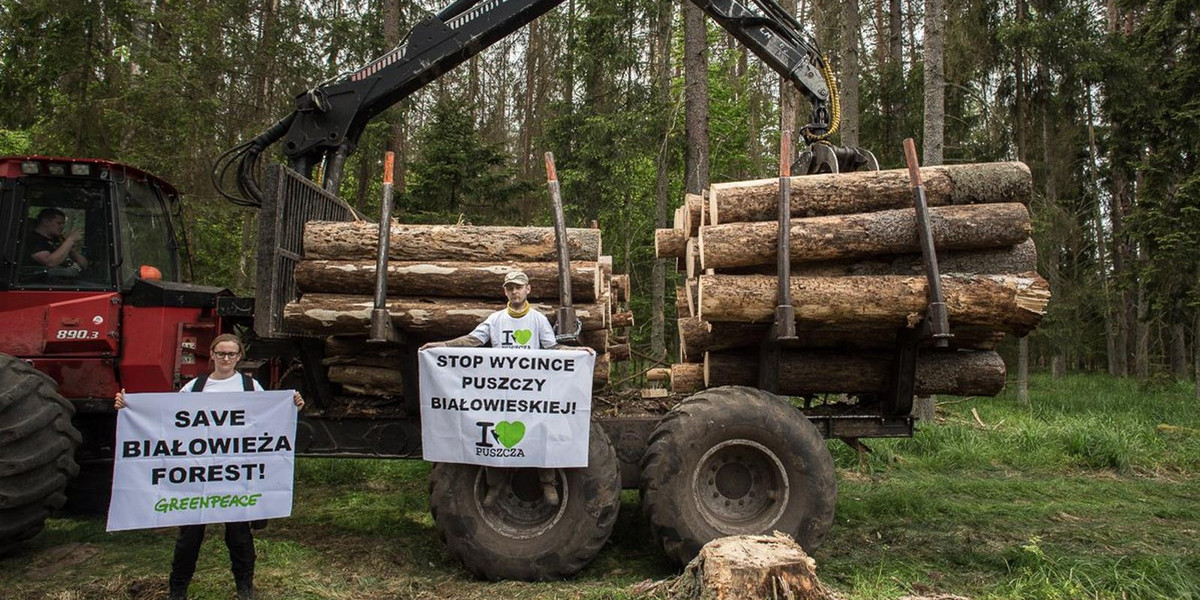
[(1023, 370), (444, 279), (374, 377), (597, 339), (1179, 361), (620, 287), (1196, 352), (751, 566), (687, 378), (622, 319), (341, 240), (695, 68), (860, 235), (618, 352), (693, 208), (1010, 303), (809, 372), (670, 243), (933, 141), (789, 96), (338, 314), (662, 83), (697, 337), (869, 191), (851, 26), (1141, 356), (1020, 258)]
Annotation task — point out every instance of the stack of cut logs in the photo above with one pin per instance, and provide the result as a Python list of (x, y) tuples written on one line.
[(443, 280), (857, 278)]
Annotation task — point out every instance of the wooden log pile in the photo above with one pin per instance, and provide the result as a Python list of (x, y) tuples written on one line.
[(443, 280), (857, 278)]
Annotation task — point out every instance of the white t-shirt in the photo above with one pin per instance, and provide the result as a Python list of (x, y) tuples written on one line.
[(532, 331), (231, 384)]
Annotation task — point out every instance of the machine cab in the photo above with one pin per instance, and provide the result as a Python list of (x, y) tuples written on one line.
[(84, 225)]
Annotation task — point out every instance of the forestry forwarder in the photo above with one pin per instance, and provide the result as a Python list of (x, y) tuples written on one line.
[(72, 338)]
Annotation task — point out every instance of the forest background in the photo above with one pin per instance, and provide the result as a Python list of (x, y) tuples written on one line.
[(642, 100)]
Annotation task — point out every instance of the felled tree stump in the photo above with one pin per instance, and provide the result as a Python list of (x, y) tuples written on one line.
[(750, 566)]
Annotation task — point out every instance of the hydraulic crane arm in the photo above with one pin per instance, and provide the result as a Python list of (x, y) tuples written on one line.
[(330, 118)]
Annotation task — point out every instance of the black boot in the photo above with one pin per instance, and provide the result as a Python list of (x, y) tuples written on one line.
[(245, 588), (177, 591)]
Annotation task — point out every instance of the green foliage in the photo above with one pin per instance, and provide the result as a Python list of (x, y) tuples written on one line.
[(15, 142), (457, 172)]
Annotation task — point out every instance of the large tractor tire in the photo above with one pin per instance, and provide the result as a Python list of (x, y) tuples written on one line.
[(37, 450), (736, 461), (521, 535)]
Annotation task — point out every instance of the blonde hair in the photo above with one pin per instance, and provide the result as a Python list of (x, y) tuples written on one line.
[(227, 337)]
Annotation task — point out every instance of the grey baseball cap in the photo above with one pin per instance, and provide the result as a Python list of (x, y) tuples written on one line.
[(516, 277)]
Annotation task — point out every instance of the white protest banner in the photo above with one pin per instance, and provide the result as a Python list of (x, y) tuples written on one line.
[(213, 457), (503, 407)]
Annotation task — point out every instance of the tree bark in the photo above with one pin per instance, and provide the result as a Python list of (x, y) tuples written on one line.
[(622, 319), (697, 337), (339, 314), (933, 138), (751, 566), (1179, 361), (866, 234), (670, 243), (1023, 370), (851, 32), (340, 240), (933, 142), (687, 378), (808, 372), (662, 85), (1020, 258), (618, 352), (374, 377), (620, 287), (869, 191), (658, 374), (695, 69), (1009, 303), (597, 339), (693, 206), (444, 279)]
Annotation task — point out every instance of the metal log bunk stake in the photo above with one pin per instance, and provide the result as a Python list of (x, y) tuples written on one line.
[(566, 310), (381, 321), (783, 330), (936, 324), (935, 316)]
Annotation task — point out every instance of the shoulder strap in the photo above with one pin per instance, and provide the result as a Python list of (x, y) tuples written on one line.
[(200, 381), (247, 383)]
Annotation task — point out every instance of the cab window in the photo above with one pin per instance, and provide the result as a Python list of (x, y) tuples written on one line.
[(64, 241), (147, 239)]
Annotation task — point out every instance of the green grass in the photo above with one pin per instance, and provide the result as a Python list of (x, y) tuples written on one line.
[(1080, 494)]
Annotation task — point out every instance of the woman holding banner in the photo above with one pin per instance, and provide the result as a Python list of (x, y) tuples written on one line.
[(225, 350)]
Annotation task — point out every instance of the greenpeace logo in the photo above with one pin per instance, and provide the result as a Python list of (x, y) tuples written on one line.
[(202, 502)]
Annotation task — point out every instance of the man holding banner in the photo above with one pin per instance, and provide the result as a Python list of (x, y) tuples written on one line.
[(185, 461), (518, 326)]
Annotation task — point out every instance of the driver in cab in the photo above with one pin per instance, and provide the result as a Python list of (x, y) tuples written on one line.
[(48, 246)]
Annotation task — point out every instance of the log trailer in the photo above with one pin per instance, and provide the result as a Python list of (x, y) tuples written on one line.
[(729, 460)]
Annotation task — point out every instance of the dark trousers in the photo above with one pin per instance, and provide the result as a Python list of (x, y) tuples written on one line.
[(238, 539)]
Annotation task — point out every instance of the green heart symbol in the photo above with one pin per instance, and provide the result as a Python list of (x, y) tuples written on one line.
[(522, 336), (509, 433)]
